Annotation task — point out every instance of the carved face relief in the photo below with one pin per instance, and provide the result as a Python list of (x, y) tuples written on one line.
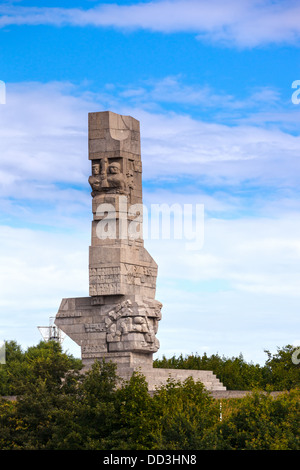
[(114, 168), (96, 169)]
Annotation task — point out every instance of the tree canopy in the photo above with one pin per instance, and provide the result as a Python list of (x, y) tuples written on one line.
[(58, 407)]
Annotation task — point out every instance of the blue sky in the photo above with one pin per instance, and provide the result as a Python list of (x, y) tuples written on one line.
[(211, 83)]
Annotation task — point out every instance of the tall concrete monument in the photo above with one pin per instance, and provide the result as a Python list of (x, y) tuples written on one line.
[(119, 319)]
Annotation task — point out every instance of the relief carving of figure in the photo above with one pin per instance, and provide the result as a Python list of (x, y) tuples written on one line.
[(137, 318), (115, 178), (107, 178), (95, 179)]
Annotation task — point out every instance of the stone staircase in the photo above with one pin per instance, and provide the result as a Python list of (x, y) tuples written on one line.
[(156, 377)]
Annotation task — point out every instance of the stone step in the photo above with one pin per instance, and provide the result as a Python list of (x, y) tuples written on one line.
[(179, 375), (216, 387), (209, 387), (156, 377), (178, 379)]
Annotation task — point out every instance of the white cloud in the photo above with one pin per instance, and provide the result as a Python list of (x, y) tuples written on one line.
[(238, 294), (246, 23), (43, 146), (42, 134), (260, 255), (36, 266), (177, 146), (38, 269)]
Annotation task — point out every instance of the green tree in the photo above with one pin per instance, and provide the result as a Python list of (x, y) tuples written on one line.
[(186, 416), (14, 358), (73, 413), (44, 361), (60, 407), (262, 422), (283, 373), (135, 416), (39, 377), (178, 416), (97, 403)]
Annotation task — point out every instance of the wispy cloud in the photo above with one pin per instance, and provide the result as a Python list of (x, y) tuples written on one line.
[(44, 132), (259, 105), (247, 23)]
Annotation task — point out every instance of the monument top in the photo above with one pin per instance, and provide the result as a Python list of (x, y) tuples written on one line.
[(113, 135)]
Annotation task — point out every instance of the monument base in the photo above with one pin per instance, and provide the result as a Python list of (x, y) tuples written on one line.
[(89, 320), (111, 324), (85, 320), (126, 362)]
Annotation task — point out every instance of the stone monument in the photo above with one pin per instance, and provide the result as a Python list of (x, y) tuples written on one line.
[(119, 320)]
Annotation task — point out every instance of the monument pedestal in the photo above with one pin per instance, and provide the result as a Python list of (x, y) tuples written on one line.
[(110, 327)]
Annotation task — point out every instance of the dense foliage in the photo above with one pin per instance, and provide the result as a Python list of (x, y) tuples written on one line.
[(45, 361), (278, 373), (58, 407)]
